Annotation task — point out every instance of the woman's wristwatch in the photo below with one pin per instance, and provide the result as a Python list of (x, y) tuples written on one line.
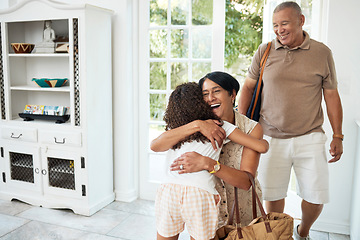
[(216, 167)]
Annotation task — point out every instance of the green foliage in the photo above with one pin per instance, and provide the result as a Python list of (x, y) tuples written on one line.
[(243, 33), (243, 29), (202, 12), (158, 14)]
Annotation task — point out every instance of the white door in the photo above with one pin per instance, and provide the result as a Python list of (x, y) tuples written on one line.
[(180, 41), (62, 173), (22, 169)]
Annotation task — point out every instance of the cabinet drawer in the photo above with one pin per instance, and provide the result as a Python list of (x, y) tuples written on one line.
[(19, 134), (60, 138)]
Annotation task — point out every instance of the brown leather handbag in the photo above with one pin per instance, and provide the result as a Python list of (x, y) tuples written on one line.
[(271, 226)]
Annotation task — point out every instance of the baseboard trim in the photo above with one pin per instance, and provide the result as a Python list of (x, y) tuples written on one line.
[(331, 227), (127, 196)]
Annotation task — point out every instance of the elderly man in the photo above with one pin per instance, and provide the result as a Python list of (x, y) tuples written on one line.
[(297, 72)]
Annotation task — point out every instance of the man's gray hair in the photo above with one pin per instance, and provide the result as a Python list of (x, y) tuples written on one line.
[(289, 4)]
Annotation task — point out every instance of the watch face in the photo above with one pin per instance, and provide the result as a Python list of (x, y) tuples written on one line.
[(217, 167)]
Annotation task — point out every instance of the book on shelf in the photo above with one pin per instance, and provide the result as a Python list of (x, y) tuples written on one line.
[(46, 110), (55, 110), (34, 109)]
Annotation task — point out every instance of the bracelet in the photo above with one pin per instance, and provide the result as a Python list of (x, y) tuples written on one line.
[(341, 136)]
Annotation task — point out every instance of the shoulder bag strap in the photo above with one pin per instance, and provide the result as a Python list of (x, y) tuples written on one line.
[(235, 208), (255, 197), (262, 66)]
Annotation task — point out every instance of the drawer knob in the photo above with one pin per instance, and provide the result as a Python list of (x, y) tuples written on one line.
[(16, 137), (62, 142)]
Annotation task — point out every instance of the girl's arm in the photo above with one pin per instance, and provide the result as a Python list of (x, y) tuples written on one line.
[(209, 128), (239, 137), (194, 162)]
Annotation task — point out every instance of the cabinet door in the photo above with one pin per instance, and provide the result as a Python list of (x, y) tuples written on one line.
[(63, 173), (22, 169)]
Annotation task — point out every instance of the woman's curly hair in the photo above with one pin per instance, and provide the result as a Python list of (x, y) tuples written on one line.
[(186, 104)]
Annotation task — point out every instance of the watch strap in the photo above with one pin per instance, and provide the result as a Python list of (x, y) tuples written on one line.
[(215, 170)]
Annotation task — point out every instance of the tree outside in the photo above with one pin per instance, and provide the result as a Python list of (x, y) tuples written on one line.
[(243, 34)]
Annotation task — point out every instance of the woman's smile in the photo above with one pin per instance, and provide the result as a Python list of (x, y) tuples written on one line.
[(219, 99)]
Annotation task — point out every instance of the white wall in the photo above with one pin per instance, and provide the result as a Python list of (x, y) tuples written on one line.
[(343, 35), (125, 92)]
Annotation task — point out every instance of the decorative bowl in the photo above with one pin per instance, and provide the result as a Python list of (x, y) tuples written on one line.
[(50, 82), (22, 47)]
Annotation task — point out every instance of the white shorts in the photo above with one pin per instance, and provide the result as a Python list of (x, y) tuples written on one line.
[(306, 154), (177, 205)]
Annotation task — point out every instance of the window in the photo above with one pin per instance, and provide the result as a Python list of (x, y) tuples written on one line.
[(177, 45)]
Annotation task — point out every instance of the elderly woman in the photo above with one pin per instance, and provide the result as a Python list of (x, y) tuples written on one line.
[(219, 90)]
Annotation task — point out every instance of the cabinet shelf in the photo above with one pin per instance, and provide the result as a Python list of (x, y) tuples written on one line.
[(30, 55), (39, 89), (40, 122)]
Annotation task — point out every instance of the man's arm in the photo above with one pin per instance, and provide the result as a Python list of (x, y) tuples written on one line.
[(246, 94), (335, 115)]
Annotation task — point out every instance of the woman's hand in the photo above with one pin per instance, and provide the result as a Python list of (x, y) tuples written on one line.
[(192, 162)]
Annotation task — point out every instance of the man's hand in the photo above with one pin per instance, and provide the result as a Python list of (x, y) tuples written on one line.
[(336, 150)]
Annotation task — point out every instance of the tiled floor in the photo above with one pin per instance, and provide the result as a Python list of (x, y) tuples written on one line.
[(119, 220)]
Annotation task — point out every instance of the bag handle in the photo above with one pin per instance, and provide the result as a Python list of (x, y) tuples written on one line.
[(262, 66), (255, 198)]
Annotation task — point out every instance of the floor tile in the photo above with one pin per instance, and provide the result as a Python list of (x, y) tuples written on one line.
[(144, 207), (119, 220), (38, 230), (10, 223), (136, 227), (317, 235), (13, 207), (101, 222)]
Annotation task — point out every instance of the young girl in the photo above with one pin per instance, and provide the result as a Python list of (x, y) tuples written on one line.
[(191, 198)]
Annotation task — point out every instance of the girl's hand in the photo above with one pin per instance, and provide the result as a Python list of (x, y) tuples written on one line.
[(213, 131), (191, 162)]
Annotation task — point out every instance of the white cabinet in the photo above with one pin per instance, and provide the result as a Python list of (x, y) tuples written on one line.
[(57, 165)]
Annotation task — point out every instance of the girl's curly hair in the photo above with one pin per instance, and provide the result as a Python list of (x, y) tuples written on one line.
[(186, 104)]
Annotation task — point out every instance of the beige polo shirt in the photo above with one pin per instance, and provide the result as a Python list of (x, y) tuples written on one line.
[(293, 83)]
